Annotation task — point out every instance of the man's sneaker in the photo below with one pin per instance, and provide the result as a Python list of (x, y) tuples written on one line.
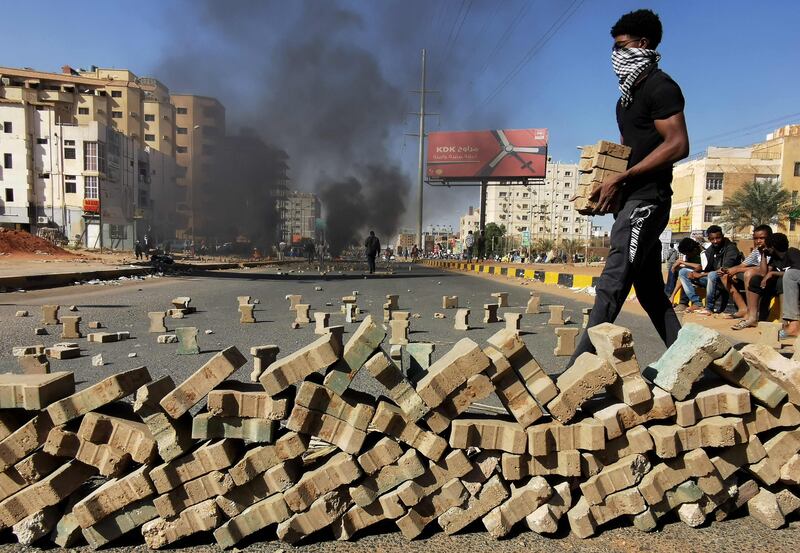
[(680, 308)]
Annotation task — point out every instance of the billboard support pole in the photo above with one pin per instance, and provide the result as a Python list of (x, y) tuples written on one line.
[(421, 151), (482, 222)]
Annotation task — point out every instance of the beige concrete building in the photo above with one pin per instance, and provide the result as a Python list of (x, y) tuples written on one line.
[(302, 211), (470, 221), (701, 184), (531, 213)]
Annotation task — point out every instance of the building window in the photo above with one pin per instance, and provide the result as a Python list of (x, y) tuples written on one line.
[(181, 149), (7, 126), (94, 156), (41, 141), (116, 94), (714, 181), (181, 111), (70, 186), (8, 161), (91, 188), (710, 213), (792, 224), (150, 137), (567, 173), (762, 179), (69, 153), (180, 130), (149, 117), (116, 115), (83, 111), (9, 194), (794, 197), (118, 232), (797, 168), (69, 143)]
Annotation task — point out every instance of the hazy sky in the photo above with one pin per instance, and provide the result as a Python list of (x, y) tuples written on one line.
[(498, 63)]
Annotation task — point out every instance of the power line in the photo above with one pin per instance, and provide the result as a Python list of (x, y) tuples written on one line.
[(455, 30), (529, 55), (761, 124), (505, 35)]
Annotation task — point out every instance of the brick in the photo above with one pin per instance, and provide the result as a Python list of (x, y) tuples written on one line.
[(70, 329), (686, 359), (274, 480), (49, 491), (11, 421), (556, 315), (764, 508), (294, 299), (454, 465), (24, 440), (430, 507), (339, 470), (490, 313), (400, 330), (35, 466), (590, 464), (449, 302), (357, 518), (666, 476), (717, 431), (107, 337), (625, 473), (513, 321), (501, 297), (210, 456), (619, 417), (691, 514), (544, 519), (488, 434), (624, 502), (635, 440), (731, 459), (323, 512), (50, 314), (326, 427), (295, 367), (385, 452), (113, 496), (780, 370), (37, 525), (461, 319), (561, 463), (491, 494), (193, 492), (790, 471), (391, 421), (34, 391), (764, 419), (263, 357), (187, 340), (267, 512), (579, 383), (95, 396), (511, 390), (361, 345), (465, 359), (768, 334), (587, 434), (157, 319), (476, 388), (128, 436), (261, 458), (484, 465), (687, 492), (566, 337), (173, 436), (192, 390), (787, 502), (206, 426), (419, 360), (615, 344), (108, 460), (120, 523), (239, 399), (400, 389), (523, 501), (389, 477), (353, 408), (779, 449), (532, 307), (201, 517), (34, 364), (247, 313), (720, 400), (63, 351), (321, 322)]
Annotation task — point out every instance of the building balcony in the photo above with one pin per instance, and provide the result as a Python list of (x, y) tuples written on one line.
[(56, 96)]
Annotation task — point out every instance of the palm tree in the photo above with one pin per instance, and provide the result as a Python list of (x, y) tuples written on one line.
[(757, 203), (545, 244), (571, 247)]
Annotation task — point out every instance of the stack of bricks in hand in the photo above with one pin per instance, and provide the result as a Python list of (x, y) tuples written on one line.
[(705, 431), (598, 162)]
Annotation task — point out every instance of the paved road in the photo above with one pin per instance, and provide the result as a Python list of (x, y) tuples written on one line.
[(124, 307)]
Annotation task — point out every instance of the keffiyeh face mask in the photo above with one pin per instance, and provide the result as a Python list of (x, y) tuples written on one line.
[(629, 64)]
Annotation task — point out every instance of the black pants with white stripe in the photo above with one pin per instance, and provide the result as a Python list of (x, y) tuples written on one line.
[(634, 259)]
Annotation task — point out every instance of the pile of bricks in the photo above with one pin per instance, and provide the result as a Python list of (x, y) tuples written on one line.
[(598, 162), (704, 431)]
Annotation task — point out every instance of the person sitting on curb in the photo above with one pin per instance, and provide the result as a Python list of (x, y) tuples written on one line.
[(689, 251), (720, 253), (767, 283), (790, 306), (743, 272)]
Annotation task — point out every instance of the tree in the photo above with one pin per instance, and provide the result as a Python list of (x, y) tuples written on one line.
[(757, 203), (545, 245), (493, 234), (571, 247)]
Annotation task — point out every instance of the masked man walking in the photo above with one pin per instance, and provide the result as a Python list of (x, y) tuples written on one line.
[(651, 122)]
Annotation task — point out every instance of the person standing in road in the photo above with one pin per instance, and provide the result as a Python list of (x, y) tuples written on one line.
[(481, 244), (138, 250), (651, 122), (373, 247), (469, 243)]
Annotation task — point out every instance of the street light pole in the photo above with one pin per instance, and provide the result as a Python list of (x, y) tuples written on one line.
[(195, 158), (421, 147)]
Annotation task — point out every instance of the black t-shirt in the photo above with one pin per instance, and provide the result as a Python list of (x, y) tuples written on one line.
[(656, 97)]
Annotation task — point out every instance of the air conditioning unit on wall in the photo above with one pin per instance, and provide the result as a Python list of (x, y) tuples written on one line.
[(42, 220)]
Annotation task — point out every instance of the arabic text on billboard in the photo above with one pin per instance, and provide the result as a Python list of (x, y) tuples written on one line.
[(505, 153)]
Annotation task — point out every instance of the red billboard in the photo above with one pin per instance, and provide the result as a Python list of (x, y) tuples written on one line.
[(495, 154)]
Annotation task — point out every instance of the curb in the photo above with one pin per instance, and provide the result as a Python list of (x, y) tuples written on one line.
[(569, 280)]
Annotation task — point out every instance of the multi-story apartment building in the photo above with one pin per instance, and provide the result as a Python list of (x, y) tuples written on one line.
[(83, 142), (302, 211), (539, 211), (471, 221)]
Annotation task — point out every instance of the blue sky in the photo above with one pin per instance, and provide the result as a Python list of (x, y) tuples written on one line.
[(736, 61)]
